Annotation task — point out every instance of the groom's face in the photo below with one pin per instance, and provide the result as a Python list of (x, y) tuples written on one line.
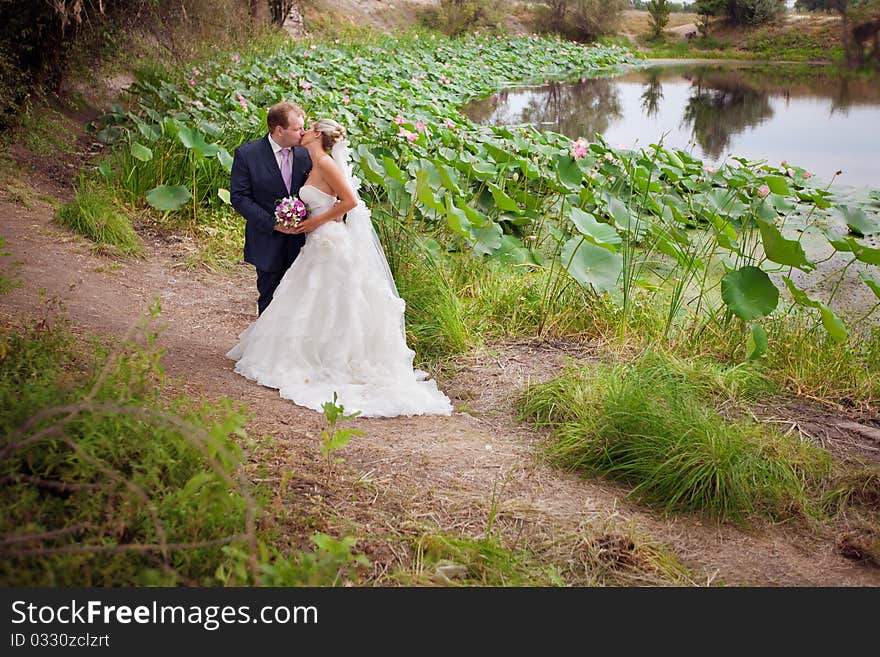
[(292, 134)]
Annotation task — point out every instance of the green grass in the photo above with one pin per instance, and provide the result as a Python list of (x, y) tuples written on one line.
[(7, 282), (654, 424), (220, 243), (801, 358), (44, 130), (790, 45), (487, 563), (703, 48), (95, 214)]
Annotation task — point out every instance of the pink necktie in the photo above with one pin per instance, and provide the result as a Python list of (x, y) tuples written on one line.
[(286, 172)]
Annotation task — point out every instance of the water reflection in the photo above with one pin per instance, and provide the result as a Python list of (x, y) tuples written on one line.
[(719, 108), (587, 107), (800, 114), (653, 94)]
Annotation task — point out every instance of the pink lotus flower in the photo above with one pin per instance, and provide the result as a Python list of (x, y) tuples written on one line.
[(419, 126), (196, 71), (240, 97), (346, 100), (335, 40), (292, 74), (399, 119), (579, 148), (192, 82), (763, 190), (235, 59), (411, 136), (313, 47), (371, 91), (305, 84), (711, 169), (807, 175), (449, 124), (198, 104), (790, 172)]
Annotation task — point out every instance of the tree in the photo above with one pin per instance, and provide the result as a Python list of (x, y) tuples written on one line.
[(706, 10), (659, 11), (753, 12), (866, 11)]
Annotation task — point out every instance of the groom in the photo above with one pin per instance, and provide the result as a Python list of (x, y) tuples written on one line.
[(263, 172)]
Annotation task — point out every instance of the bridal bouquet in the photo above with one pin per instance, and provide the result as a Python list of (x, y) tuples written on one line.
[(290, 211)]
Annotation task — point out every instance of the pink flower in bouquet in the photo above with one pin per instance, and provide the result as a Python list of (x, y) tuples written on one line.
[(290, 211)]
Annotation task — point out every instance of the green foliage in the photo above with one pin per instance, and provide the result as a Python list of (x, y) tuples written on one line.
[(330, 563), (95, 214), (573, 221), (654, 425), (96, 465), (333, 438)]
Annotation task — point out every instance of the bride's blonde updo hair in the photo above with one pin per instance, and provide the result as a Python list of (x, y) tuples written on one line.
[(331, 132)]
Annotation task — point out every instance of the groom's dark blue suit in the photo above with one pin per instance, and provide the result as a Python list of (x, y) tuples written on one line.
[(255, 188)]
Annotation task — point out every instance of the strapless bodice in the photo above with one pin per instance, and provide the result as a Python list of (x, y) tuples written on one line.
[(317, 200)]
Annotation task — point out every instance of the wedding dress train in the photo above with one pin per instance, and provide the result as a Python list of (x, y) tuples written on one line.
[(335, 324)]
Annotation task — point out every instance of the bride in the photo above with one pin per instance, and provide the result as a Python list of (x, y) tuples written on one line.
[(335, 323)]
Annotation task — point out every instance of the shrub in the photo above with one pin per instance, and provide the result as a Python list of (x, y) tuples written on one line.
[(456, 17), (582, 20)]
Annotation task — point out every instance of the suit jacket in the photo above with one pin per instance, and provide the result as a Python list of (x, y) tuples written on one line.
[(255, 188)]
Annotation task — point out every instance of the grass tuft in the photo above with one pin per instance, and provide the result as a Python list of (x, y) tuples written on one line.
[(96, 215), (652, 423)]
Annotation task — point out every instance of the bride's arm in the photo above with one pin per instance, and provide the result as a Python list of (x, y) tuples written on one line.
[(347, 200)]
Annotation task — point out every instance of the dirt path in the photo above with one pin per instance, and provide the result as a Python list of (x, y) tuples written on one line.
[(434, 471)]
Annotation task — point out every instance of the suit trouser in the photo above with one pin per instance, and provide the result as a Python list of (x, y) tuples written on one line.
[(267, 281)]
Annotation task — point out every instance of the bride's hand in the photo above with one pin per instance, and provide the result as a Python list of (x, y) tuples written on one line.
[(306, 226)]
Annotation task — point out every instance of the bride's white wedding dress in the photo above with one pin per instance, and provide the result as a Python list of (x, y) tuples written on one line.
[(335, 324)]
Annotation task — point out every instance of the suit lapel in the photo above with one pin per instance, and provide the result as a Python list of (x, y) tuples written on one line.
[(272, 167)]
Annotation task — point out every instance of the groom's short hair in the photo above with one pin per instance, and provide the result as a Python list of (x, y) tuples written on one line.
[(279, 114)]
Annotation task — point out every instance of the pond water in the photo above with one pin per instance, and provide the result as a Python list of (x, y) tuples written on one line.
[(801, 114)]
